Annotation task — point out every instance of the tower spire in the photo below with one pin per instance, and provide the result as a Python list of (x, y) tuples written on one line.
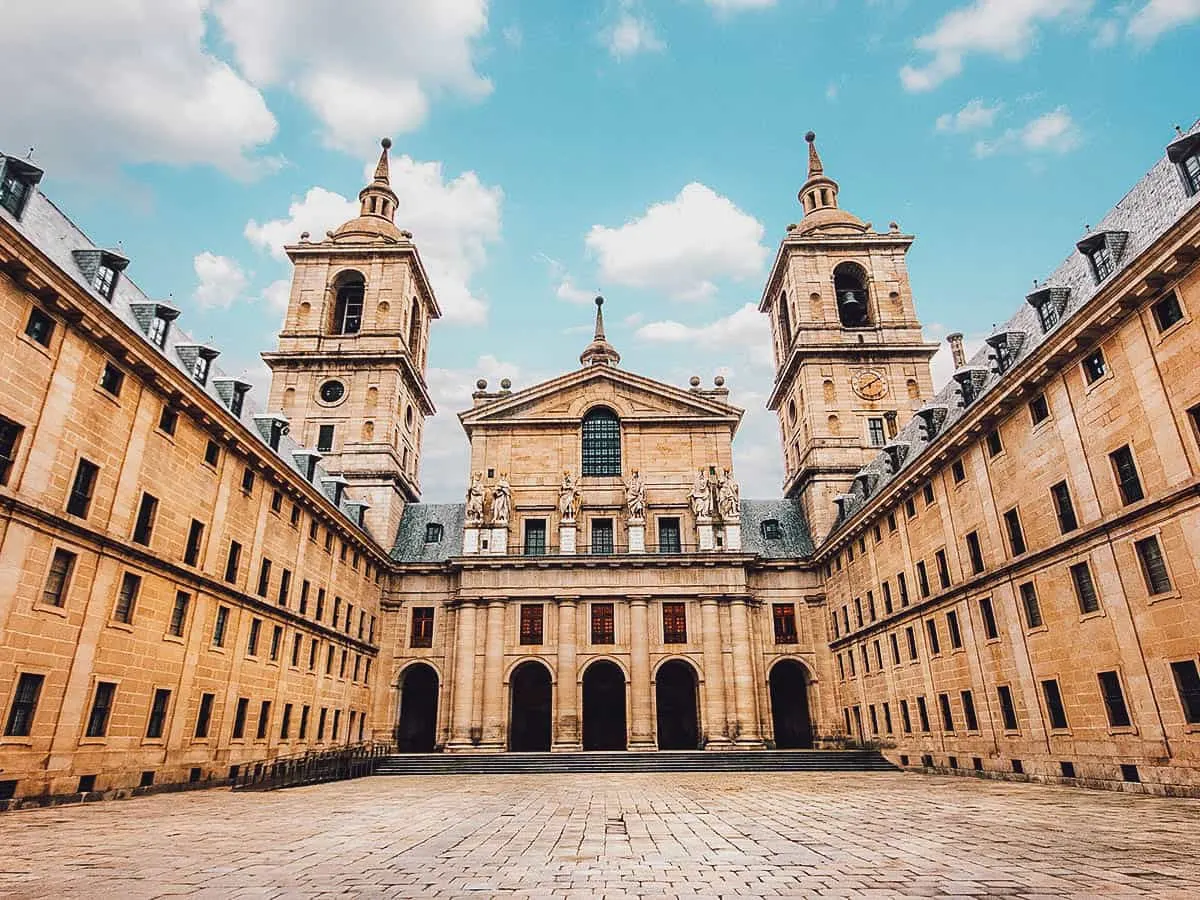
[(377, 198), (600, 352), (814, 159), (820, 191)]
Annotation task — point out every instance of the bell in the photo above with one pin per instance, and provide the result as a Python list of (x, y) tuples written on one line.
[(850, 303)]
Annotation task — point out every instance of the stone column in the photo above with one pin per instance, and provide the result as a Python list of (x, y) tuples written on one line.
[(566, 729), (641, 731), (716, 730), (464, 678), (747, 731), (493, 677)]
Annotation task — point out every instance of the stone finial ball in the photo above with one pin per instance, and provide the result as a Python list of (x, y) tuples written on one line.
[(599, 301), (505, 383), (386, 143), (481, 384), (719, 381), (694, 381), (811, 136)]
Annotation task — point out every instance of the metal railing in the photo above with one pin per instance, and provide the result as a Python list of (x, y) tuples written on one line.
[(314, 767), (585, 549)]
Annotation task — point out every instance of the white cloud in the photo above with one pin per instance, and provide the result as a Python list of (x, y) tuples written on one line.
[(366, 71), (941, 367), (1159, 16), (1004, 28), (452, 221), (1052, 133), (95, 85), (744, 330), (277, 294), (680, 246), (972, 117), (630, 35), (567, 289), (727, 6), (513, 36), (220, 281)]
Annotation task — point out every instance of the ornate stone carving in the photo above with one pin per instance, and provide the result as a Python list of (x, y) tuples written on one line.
[(729, 497), (635, 497), (568, 499), (701, 496), (501, 501), (475, 501)]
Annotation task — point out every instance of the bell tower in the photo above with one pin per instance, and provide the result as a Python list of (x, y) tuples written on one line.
[(349, 371), (851, 364)]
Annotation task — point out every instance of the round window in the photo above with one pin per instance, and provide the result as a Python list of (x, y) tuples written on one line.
[(332, 391)]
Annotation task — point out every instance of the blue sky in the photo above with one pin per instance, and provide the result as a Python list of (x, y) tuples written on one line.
[(544, 151)]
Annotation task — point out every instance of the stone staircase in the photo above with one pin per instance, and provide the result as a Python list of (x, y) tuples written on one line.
[(697, 761)]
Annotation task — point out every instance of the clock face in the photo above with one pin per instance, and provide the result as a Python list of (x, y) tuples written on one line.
[(332, 391), (869, 385)]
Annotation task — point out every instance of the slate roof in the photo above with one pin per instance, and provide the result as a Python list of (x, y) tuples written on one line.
[(1141, 217), (795, 540), (49, 229)]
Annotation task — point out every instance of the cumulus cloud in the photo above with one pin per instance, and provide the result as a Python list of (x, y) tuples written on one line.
[(1159, 16), (745, 332), (1052, 133), (972, 117), (632, 33), (360, 82), (95, 85), (682, 246), (453, 222), (727, 6), (220, 281)]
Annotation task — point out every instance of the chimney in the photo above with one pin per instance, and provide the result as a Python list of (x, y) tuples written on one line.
[(956, 348)]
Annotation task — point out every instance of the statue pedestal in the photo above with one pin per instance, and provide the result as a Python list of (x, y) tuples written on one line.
[(637, 536), (470, 540), (499, 544), (733, 536), (566, 539), (707, 540)]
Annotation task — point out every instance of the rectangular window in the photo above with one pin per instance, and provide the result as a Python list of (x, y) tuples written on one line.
[(1094, 366), (24, 705), (342, 664), (891, 522), (994, 445), (294, 516), (328, 540), (910, 636), (968, 703), (247, 480), (943, 569), (1064, 508), (212, 453), (232, 561), (143, 529), (14, 192), (285, 586), (105, 281), (305, 710), (858, 611), (975, 552), (876, 432), (1085, 588), (10, 437), (988, 613), (80, 499), (191, 552), (841, 668), (127, 597), (1029, 601), (947, 714), (313, 647), (910, 507), (422, 627), (276, 501), (1054, 704), (668, 536), (602, 536), (158, 713), (239, 718), (895, 649), (285, 725), (321, 723), (1039, 410), (220, 624), (923, 714), (874, 718), (337, 720), (535, 537), (905, 718), (887, 598), (958, 471), (922, 579), (1016, 537), (1114, 700), (159, 326), (168, 420), (1008, 711), (112, 379), (784, 617), (927, 493), (297, 643), (955, 634), (264, 720), (878, 654), (887, 718), (264, 577), (603, 626), (674, 623), (252, 643), (102, 704), (1154, 566), (902, 584), (325, 439), (276, 640), (58, 579), (1187, 682), (531, 624), (935, 646), (319, 612), (1167, 311), (204, 716), (179, 614)]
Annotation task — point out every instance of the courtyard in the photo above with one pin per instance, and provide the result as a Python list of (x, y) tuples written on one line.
[(618, 836)]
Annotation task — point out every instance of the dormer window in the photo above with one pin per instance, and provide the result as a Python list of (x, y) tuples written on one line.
[(771, 530), (1104, 250), (200, 369), (159, 326), (1050, 303), (433, 533), (1190, 169), (348, 303), (16, 184), (1185, 154), (105, 280), (1102, 262), (237, 400)]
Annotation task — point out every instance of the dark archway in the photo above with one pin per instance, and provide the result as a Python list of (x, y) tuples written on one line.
[(529, 708), (678, 714), (604, 706), (850, 289), (416, 732), (789, 706)]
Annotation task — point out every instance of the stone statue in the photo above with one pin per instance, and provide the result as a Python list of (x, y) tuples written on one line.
[(475, 501), (729, 500), (568, 499), (701, 496), (501, 501), (635, 497)]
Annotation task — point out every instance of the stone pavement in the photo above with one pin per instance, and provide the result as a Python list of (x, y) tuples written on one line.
[(618, 836)]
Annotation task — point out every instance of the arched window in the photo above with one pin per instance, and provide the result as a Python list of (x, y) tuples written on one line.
[(850, 288), (348, 304), (601, 443), (414, 329), (785, 321)]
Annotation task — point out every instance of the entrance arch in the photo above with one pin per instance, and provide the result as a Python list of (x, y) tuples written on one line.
[(604, 706), (675, 696), (529, 708), (789, 706), (416, 731)]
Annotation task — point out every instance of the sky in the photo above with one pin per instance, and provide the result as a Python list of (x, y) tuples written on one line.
[(547, 151)]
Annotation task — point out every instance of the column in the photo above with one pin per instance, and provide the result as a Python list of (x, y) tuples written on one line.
[(493, 677), (747, 732), (716, 730), (464, 677), (566, 728), (641, 731)]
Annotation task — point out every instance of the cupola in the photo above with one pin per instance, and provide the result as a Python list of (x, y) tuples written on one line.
[(600, 352)]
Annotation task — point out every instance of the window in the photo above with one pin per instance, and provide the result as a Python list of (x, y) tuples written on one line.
[(955, 633), (422, 627), (337, 718), (535, 537), (1189, 168), (668, 536), (329, 540), (887, 718), (947, 714), (891, 522), (784, 617), (200, 368), (923, 714), (305, 710), (232, 561), (348, 305), (1039, 410), (1029, 602), (1085, 588), (1054, 704), (40, 326), (1008, 711), (994, 445), (1102, 262), (958, 471), (1187, 682), (1128, 482), (902, 584), (276, 641), (927, 493), (285, 585), (674, 623), (874, 717), (220, 625), (603, 627), (320, 610), (158, 713), (252, 644), (602, 536), (922, 578), (770, 530), (239, 718), (285, 725), (968, 704), (264, 577), (313, 648), (131, 585), (601, 443), (143, 529), (191, 552), (871, 606), (1063, 507), (910, 507), (887, 598), (974, 552), (111, 379), (878, 654), (1094, 366), (1114, 700), (910, 636), (15, 187), (1016, 537), (159, 326), (531, 624), (905, 718), (204, 716), (1166, 312), (875, 429), (1154, 566), (935, 646), (105, 279), (297, 643), (943, 569), (247, 480), (80, 499), (325, 439), (179, 614), (264, 720), (988, 613), (895, 648), (10, 436), (102, 703), (24, 705), (858, 612), (321, 723), (342, 665), (276, 501), (212, 453), (58, 579)]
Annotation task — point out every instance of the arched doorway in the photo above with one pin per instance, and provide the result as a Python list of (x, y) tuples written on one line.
[(789, 706), (416, 732), (678, 715), (529, 708), (603, 706)]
